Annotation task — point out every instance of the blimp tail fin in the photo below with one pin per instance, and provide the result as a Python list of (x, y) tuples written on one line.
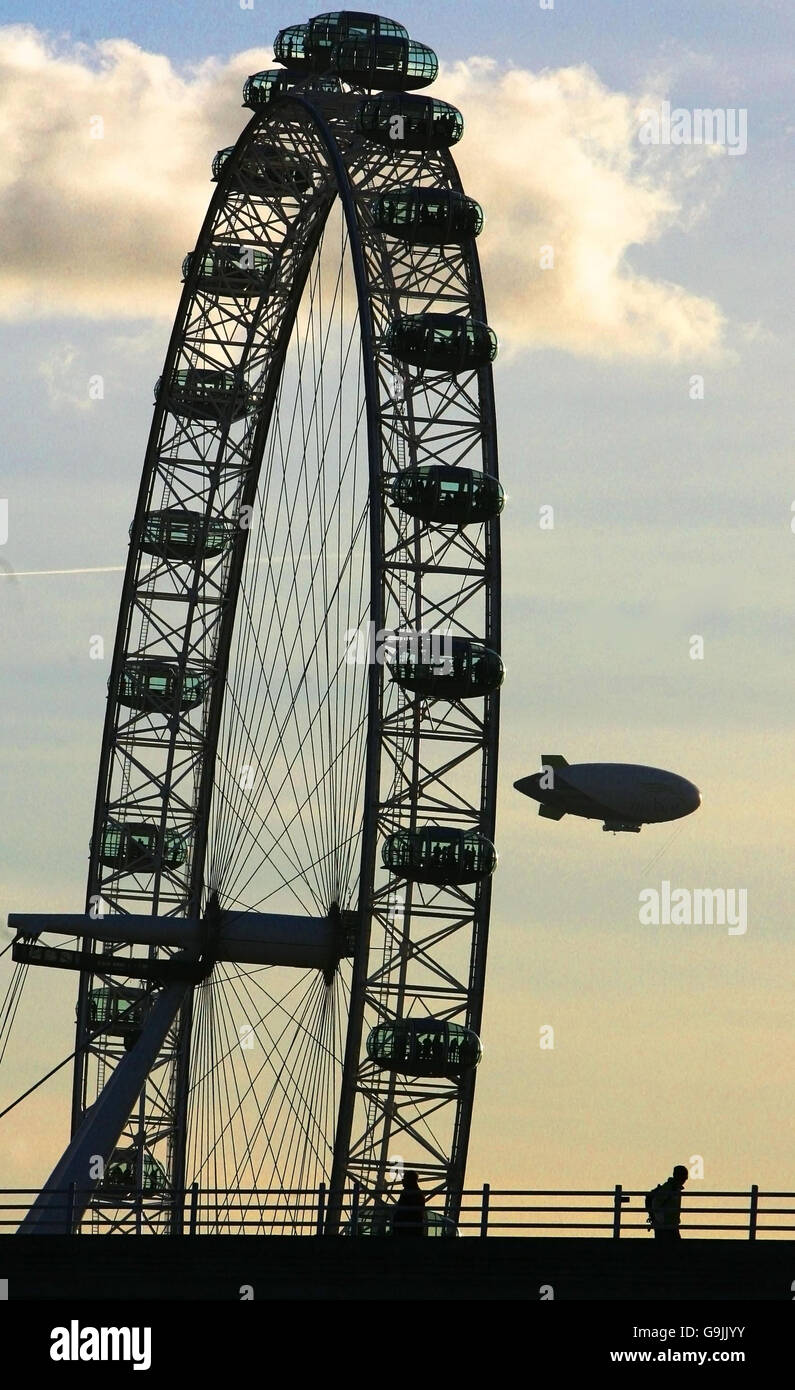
[(551, 812), (553, 760)]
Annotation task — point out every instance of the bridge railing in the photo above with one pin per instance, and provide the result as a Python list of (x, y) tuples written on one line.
[(749, 1213)]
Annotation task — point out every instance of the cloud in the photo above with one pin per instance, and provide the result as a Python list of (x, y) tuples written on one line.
[(98, 227), (57, 370), (555, 159)]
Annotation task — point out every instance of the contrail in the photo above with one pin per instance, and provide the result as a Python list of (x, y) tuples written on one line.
[(118, 569), (24, 574)]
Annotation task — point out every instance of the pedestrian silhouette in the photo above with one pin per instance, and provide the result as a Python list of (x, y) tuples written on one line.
[(664, 1206), (408, 1217)]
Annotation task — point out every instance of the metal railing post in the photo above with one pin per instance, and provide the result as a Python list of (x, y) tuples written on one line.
[(321, 1208), (752, 1215), (71, 1202), (355, 1210), (484, 1210), (194, 1209), (618, 1202)]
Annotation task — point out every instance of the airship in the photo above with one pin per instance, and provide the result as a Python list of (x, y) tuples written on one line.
[(624, 796)]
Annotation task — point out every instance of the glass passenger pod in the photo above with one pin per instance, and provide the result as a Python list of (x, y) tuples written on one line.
[(202, 393), (406, 122), (309, 47), (438, 855), (328, 29), (261, 88), (173, 534), (117, 1012), (377, 1221), (290, 47), (160, 687), (121, 1174), (393, 64), (447, 496), (427, 216), (264, 170), (424, 1047), (232, 272), (444, 667), (441, 342), (138, 848)]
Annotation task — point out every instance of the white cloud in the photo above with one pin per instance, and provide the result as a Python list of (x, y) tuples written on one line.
[(555, 159), (58, 371), (98, 227)]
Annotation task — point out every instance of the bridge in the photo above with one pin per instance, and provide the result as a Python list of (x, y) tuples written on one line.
[(526, 1245)]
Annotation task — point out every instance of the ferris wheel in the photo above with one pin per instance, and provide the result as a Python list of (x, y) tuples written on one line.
[(283, 953)]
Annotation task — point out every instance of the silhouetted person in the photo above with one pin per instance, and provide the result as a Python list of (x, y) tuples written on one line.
[(408, 1216), (666, 1205)]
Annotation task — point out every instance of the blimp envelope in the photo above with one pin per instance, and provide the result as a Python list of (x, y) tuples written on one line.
[(632, 792)]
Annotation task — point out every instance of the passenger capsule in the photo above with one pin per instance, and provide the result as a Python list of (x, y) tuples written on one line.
[(447, 496), (262, 88), (325, 30), (138, 848), (115, 1010), (201, 393), (160, 687), (393, 65), (377, 1221), (174, 534), (231, 272), (441, 342), (438, 855), (121, 1174), (427, 216), (119, 1013), (264, 170), (443, 667), (349, 43), (410, 122), (290, 47), (424, 1047)]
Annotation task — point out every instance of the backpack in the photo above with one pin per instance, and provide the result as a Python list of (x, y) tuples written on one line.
[(650, 1201)]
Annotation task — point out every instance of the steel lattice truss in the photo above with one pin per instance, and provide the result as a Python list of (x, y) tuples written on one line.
[(438, 764), (279, 787)]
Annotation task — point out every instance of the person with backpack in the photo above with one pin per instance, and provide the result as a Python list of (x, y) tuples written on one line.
[(664, 1205)]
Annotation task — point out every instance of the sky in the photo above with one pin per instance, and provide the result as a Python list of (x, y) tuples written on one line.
[(643, 390)]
